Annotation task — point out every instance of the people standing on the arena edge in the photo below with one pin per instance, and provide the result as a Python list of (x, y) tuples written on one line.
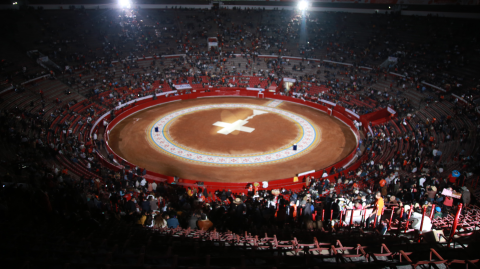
[(149, 187), (143, 183)]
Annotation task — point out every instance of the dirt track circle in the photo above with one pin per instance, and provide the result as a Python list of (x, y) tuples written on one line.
[(231, 139), (227, 141)]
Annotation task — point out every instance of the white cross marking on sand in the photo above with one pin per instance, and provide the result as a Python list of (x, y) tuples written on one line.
[(238, 125)]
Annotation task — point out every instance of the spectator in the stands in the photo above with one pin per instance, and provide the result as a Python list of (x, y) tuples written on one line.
[(192, 221), (377, 211), (131, 206), (448, 202), (146, 206), (204, 223), (172, 221), (417, 221), (160, 222), (431, 192)]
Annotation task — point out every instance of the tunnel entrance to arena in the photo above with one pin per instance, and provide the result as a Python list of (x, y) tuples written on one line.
[(288, 83), (212, 43)]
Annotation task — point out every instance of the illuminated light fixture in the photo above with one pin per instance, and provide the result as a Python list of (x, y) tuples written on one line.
[(124, 3), (15, 3), (302, 5)]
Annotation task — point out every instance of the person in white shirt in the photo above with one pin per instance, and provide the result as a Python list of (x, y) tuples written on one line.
[(388, 179), (417, 221), (421, 181), (154, 186)]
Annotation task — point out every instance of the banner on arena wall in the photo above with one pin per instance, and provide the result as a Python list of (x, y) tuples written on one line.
[(213, 44), (255, 89), (391, 110), (182, 87), (289, 80), (306, 173), (327, 102), (353, 113), (165, 93), (272, 89)]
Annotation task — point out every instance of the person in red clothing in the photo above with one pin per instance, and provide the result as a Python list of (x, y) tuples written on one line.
[(448, 202), (452, 178)]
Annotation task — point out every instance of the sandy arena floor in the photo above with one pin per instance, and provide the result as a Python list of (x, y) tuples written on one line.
[(135, 140)]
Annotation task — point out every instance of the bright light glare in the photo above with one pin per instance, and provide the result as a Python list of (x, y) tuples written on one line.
[(124, 3), (302, 5)]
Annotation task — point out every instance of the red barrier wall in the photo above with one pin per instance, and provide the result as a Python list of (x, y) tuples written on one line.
[(377, 117), (235, 187)]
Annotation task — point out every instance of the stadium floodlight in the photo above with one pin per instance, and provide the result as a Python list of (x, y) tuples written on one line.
[(124, 3), (302, 5)]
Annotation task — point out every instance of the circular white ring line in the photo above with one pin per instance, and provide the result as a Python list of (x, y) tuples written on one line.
[(305, 143)]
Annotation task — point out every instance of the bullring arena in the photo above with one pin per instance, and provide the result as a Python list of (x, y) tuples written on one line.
[(239, 134), (188, 144)]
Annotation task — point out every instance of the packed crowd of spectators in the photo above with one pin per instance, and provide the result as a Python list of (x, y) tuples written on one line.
[(413, 178)]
